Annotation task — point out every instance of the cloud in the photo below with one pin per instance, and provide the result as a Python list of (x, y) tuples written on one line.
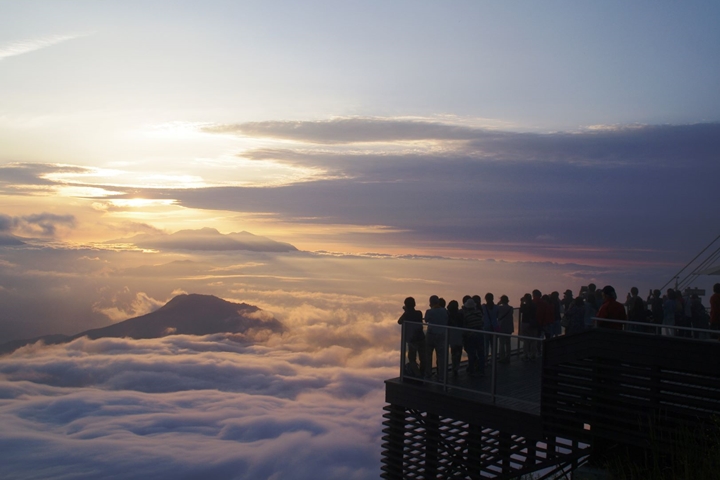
[(481, 193), (206, 239), (352, 130), (44, 224), (32, 178), (183, 407), (31, 45), (633, 145), (127, 304), (620, 147)]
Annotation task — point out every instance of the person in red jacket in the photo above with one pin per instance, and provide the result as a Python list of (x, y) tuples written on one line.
[(611, 309), (544, 314)]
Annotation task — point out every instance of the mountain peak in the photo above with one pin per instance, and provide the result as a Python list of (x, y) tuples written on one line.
[(186, 314), (189, 314)]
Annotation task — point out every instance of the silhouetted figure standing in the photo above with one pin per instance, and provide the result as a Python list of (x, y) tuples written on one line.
[(656, 307), (611, 309), (544, 314), (575, 315), (565, 304), (715, 308), (507, 326), (529, 327), (557, 313), (635, 310), (455, 319), (591, 305), (699, 317), (671, 311), (474, 340), (490, 324), (436, 317), (414, 336)]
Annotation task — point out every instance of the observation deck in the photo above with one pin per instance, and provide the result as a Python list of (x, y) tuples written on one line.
[(587, 392)]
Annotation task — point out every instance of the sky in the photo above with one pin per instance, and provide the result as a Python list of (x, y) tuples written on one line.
[(404, 148)]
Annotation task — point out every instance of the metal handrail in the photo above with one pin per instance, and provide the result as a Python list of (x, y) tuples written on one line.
[(655, 326), (657, 329), (495, 346)]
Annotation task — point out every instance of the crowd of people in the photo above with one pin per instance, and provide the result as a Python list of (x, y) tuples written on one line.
[(541, 316)]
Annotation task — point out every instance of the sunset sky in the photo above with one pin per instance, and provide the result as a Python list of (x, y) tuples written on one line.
[(404, 147)]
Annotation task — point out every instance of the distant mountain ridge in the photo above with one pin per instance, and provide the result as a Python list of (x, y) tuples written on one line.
[(187, 314), (206, 239)]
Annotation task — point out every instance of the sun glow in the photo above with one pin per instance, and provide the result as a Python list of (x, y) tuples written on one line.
[(138, 203)]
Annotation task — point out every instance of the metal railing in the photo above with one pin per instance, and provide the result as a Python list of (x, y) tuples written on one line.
[(517, 345), (442, 379), (667, 329)]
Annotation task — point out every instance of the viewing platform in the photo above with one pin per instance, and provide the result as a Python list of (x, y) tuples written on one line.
[(587, 392)]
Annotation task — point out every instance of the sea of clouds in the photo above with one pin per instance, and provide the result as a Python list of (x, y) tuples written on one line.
[(190, 407), (304, 403)]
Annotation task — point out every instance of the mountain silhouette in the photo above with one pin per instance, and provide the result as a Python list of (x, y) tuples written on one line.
[(206, 239), (190, 314)]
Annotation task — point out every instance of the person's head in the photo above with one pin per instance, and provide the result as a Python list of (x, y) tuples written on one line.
[(504, 300), (477, 300), (592, 287), (554, 295), (527, 298), (634, 291), (465, 298), (568, 293), (469, 304), (434, 301), (608, 292), (441, 302), (657, 293), (536, 293), (671, 294), (409, 303), (453, 306), (489, 297), (716, 288)]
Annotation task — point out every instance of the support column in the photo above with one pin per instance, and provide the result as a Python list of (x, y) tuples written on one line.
[(394, 443)]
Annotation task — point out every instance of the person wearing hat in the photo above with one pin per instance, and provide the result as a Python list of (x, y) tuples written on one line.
[(611, 309)]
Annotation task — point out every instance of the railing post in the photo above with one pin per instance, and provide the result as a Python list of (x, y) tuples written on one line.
[(403, 348), (494, 366), (446, 360)]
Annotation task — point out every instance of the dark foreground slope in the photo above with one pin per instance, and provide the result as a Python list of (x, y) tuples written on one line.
[(191, 314)]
